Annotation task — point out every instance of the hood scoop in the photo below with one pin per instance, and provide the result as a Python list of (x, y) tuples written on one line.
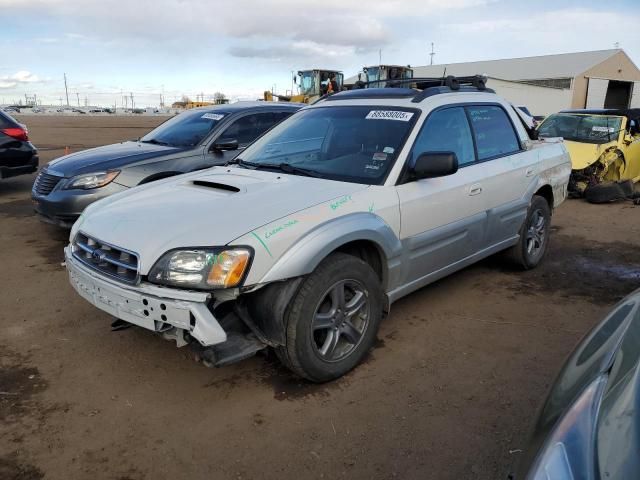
[(216, 186)]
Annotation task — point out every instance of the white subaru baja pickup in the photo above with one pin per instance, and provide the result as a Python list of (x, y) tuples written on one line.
[(303, 242)]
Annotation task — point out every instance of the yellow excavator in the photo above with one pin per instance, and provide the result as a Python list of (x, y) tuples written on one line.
[(379, 76), (312, 84)]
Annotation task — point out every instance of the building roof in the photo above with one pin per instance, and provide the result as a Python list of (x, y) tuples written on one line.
[(563, 65)]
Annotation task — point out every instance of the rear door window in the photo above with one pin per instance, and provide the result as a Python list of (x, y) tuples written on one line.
[(446, 130), (493, 131), (246, 129)]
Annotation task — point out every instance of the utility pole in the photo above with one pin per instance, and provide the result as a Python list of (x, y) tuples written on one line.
[(380, 57), (432, 54), (66, 90), (132, 104), (78, 98)]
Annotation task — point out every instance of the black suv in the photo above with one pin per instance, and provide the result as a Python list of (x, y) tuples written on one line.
[(17, 154), (193, 140)]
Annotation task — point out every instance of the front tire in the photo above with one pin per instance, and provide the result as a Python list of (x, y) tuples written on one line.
[(534, 235), (333, 319)]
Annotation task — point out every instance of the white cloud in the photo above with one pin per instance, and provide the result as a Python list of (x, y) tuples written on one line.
[(558, 28), (335, 22), (21, 77)]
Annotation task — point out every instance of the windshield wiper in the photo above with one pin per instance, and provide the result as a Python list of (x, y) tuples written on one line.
[(288, 168), (283, 167), (156, 142), (241, 163)]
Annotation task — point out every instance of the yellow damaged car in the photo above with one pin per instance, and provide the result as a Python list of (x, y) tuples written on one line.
[(605, 151)]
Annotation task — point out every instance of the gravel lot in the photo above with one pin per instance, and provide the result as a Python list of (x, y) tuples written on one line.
[(449, 392)]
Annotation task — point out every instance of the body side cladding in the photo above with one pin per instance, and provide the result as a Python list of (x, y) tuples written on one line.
[(307, 253)]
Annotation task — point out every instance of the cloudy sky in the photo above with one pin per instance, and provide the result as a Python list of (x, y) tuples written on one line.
[(242, 47)]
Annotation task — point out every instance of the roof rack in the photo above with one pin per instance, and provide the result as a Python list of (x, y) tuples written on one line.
[(428, 86), (372, 93)]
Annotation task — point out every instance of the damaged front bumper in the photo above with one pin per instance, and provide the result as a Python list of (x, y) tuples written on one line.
[(171, 312)]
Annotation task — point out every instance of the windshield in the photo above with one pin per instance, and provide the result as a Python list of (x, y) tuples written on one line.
[(387, 73), (581, 128), (307, 83), (187, 129), (373, 74), (350, 143)]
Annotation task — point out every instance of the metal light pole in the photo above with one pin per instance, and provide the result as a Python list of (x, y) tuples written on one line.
[(66, 90)]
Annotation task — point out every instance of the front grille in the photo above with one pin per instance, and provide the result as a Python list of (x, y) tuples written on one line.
[(112, 261), (45, 183)]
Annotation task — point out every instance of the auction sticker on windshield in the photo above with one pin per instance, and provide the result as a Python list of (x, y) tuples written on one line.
[(389, 115), (213, 116), (602, 129)]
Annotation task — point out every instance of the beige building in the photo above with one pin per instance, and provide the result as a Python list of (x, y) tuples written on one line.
[(549, 83)]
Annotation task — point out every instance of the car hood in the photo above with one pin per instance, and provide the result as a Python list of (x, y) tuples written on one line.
[(585, 154), (108, 157), (206, 208), (618, 429), (611, 346)]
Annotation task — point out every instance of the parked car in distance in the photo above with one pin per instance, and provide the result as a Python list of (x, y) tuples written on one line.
[(604, 147), (321, 224), (588, 427), (17, 154), (193, 140)]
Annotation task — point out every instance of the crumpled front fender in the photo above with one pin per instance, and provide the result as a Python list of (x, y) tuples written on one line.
[(584, 155)]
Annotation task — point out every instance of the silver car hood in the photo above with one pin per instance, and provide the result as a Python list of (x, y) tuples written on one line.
[(207, 208)]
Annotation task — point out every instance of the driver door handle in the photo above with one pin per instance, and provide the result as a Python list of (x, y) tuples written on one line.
[(475, 189)]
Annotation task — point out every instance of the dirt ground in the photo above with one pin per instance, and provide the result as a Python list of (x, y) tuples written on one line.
[(449, 392)]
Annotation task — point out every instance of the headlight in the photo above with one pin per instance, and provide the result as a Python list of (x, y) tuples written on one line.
[(201, 268), (569, 453), (92, 180)]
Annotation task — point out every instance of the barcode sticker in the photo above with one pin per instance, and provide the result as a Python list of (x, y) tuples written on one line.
[(603, 129), (213, 116), (389, 115)]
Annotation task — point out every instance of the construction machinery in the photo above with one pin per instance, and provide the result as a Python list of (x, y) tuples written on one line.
[(312, 84), (384, 75)]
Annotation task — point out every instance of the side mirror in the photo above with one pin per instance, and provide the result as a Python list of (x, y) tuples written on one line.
[(221, 145), (435, 164), (628, 138)]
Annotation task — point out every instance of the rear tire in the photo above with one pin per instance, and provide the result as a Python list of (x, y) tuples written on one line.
[(534, 235), (333, 320), (605, 192)]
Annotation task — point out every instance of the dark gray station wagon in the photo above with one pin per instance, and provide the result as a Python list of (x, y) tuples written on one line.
[(193, 140)]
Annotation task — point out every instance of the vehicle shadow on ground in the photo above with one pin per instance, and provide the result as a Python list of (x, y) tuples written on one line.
[(602, 273), (16, 187)]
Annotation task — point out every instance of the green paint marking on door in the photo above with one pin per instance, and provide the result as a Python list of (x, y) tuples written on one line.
[(371, 208), (263, 244)]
